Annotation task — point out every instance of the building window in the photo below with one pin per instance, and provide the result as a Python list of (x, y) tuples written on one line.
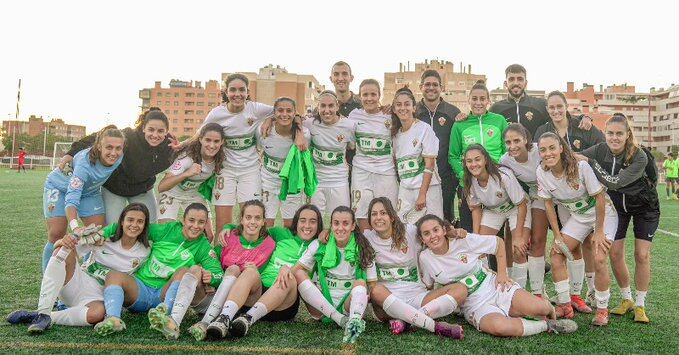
[(189, 103), (201, 94), (188, 112), (176, 103), (211, 95), (176, 94), (174, 129), (175, 121), (158, 103), (187, 129), (189, 94), (200, 112), (167, 103), (159, 94), (200, 103), (175, 112), (211, 104), (167, 94)]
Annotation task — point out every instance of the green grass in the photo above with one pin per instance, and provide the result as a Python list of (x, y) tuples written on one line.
[(22, 236)]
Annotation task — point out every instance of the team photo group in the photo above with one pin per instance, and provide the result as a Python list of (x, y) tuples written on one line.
[(412, 207)]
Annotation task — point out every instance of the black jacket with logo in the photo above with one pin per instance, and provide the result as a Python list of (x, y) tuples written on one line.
[(578, 138), (529, 111), (442, 122), (629, 185)]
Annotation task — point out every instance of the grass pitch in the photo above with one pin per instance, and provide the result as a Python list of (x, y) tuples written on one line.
[(22, 236)]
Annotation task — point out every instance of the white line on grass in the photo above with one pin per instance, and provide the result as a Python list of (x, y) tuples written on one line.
[(668, 232), (162, 348)]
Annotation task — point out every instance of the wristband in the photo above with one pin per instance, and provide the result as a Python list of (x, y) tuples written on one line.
[(73, 224), (428, 171)]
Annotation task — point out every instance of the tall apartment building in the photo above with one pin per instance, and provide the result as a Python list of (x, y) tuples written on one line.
[(456, 85), (186, 103), (36, 126), (664, 121), (272, 82)]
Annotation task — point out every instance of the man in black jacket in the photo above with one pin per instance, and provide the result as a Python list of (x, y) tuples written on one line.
[(440, 115)]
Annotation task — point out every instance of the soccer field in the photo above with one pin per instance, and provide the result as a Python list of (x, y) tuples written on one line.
[(22, 236)]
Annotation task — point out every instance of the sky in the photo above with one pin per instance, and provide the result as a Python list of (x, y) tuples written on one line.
[(85, 61)]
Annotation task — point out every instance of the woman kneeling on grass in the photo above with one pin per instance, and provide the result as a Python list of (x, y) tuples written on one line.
[(344, 266), (280, 300), (399, 294), (181, 258), (495, 304), (81, 287), (246, 248)]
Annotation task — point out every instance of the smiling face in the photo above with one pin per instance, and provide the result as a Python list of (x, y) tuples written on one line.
[(155, 132), (380, 220), (307, 224), (516, 84), (284, 113), (616, 136), (550, 151), (327, 109), (478, 101), (341, 78), (210, 144), (252, 221), (370, 98), (111, 149), (475, 162), (342, 225), (237, 93), (516, 143), (434, 236), (404, 107), (194, 223), (431, 88), (556, 108), (133, 224)]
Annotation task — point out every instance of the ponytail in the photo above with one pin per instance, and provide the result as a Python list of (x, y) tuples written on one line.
[(108, 131)]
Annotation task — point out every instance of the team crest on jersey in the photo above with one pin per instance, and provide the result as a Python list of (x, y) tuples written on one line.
[(529, 115), (404, 250), (414, 143), (469, 140), (177, 165), (135, 263), (490, 132), (250, 121), (340, 138), (442, 121), (217, 194), (387, 124), (213, 254), (577, 143), (76, 183), (499, 194), (185, 255), (162, 210), (463, 258), (50, 207)]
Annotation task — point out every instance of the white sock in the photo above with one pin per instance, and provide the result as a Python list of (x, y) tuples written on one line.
[(440, 307), (185, 293), (258, 311), (590, 282), (520, 274), (52, 282), (398, 309), (313, 296), (626, 293), (230, 308), (218, 299), (561, 288), (602, 298), (532, 327), (72, 316), (641, 298), (576, 275), (536, 273), (359, 300)]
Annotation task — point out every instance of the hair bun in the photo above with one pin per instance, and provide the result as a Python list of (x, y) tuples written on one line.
[(481, 82)]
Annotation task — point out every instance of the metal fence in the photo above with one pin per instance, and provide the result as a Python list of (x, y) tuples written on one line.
[(31, 162)]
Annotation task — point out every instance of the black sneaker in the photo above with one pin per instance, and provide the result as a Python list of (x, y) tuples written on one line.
[(21, 317), (40, 323), (241, 325), (219, 328)]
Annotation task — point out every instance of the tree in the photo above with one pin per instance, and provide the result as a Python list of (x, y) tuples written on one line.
[(33, 144)]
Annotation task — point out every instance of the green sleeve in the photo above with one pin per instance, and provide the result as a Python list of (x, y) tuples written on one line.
[(279, 233), (208, 261), (110, 230), (455, 151), (229, 226), (157, 231), (503, 147)]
